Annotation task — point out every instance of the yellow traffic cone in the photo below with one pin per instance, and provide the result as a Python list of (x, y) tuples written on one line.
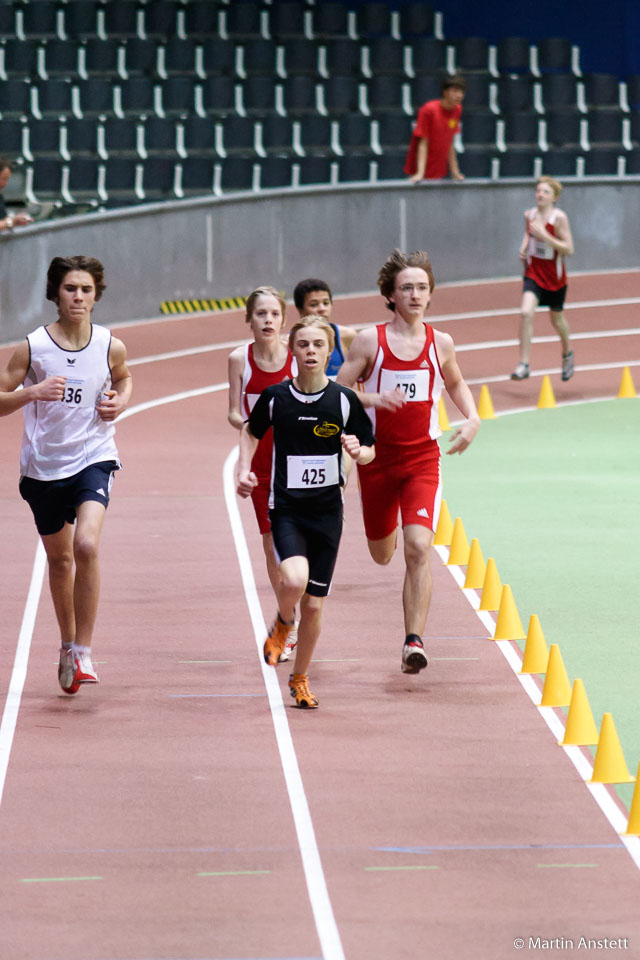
[(485, 404), (556, 691), (536, 655), (508, 624), (443, 419), (633, 827), (459, 550), (546, 398), (444, 530), (627, 388), (491, 588), (476, 568), (609, 765), (580, 729)]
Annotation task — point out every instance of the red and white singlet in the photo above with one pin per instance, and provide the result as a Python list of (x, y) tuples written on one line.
[(544, 264), (254, 381), (414, 426)]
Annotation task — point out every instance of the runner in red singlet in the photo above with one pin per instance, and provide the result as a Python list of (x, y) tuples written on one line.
[(402, 366), (253, 368), (547, 241)]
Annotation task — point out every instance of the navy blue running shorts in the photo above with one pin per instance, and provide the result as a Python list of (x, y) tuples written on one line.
[(54, 502)]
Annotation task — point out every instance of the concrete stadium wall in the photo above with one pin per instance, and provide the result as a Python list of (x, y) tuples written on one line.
[(225, 246)]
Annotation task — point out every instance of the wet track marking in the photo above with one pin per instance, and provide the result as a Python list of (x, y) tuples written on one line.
[(199, 696), (58, 879), (336, 660), (232, 873), (494, 847), (455, 658), (566, 865)]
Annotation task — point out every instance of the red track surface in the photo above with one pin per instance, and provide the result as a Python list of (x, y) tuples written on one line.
[(145, 786)]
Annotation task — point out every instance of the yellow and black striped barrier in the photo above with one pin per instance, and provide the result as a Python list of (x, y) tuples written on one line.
[(201, 305)]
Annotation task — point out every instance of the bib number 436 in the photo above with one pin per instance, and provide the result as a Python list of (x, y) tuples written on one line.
[(72, 395)]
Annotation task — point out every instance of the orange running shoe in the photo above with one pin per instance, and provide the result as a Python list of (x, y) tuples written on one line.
[(276, 640), (299, 688)]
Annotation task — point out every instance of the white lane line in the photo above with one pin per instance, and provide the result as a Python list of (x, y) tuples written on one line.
[(312, 864), (587, 335), (20, 663), (436, 319), (607, 803)]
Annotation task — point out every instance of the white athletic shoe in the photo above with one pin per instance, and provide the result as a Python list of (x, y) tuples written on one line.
[(414, 659), (67, 671), (85, 671), (291, 644)]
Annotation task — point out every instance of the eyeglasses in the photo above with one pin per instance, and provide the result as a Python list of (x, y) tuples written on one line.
[(410, 287)]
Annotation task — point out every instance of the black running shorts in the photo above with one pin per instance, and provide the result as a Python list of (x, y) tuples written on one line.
[(554, 299), (310, 535)]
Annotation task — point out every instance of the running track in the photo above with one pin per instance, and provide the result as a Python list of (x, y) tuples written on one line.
[(180, 811)]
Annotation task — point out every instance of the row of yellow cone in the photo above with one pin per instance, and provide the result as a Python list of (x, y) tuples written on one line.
[(580, 730), (546, 399)]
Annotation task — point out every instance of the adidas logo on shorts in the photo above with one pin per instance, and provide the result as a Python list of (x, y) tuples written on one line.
[(423, 512)]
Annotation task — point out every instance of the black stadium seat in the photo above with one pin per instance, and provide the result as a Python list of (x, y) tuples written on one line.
[(120, 136), (514, 55), (554, 55), (330, 20), (287, 21), (199, 135), (275, 172), (373, 20), (355, 168), (197, 176), (561, 163), (15, 98), (12, 132), (416, 20), (160, 137), (315, 134), (429, 55), (161, 19), (472, 54), (20, 58), (602, 161), (39, 19)]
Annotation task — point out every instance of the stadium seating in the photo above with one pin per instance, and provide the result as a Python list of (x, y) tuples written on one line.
[(261, 94)]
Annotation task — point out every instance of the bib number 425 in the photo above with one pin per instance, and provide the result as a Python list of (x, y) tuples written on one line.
[(313, 477)]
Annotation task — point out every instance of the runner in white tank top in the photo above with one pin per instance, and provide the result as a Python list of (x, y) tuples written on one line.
[(60, 439), (75, 384)]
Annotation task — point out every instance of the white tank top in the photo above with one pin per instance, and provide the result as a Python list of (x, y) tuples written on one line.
[(62, 438)]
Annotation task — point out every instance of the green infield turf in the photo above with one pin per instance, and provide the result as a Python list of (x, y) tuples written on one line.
[(554, 497)]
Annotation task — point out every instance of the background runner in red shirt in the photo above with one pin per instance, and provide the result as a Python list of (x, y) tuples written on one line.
[(431, 152)]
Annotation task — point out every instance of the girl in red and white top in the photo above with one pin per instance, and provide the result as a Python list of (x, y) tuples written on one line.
[(252, 368), (547, 241)]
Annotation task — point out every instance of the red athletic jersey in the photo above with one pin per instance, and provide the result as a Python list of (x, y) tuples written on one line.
[(416, 425), (254, 381), (438, 126), (544, 264)]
